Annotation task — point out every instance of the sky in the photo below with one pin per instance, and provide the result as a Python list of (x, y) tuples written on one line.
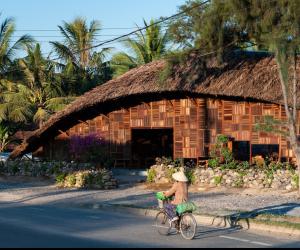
[(44, 15)]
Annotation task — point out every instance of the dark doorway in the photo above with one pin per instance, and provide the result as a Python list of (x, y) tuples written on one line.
[(241, 150), (265, 150), (147, 144)]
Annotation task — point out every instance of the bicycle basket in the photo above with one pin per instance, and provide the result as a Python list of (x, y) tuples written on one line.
[(186, 207), (160, 196)]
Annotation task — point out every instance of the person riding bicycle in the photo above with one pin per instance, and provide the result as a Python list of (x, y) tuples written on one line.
[(180, 190)]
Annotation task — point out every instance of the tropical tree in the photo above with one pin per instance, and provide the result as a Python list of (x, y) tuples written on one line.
[(81, 63), (5, 138), (275, 25), (7, 47), (144, 48), (210, 28), (37, 96)]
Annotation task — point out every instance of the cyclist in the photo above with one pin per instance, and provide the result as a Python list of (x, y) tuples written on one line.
[(180, 190)]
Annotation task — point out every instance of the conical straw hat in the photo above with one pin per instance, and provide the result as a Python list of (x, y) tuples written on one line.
[(180, 176)]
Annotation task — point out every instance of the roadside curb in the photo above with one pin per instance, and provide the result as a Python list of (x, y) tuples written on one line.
[(205, 220)]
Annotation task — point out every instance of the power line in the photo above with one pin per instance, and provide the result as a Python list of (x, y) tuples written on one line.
[(57, 30), (140, 29)]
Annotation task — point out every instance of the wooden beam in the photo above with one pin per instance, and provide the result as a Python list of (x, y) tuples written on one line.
[(147, 104), (169, 101), (64, 133), (85, 122), (105, 115), (192, 99)]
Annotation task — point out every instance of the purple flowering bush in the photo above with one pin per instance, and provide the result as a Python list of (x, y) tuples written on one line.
[(90, 148)]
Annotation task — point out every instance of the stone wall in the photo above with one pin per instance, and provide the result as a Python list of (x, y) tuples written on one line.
[(281, 179), (66, 174)]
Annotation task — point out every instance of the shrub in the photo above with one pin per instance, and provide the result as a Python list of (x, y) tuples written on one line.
[(191, 176), (170, 172), (295, 181), (179, 162), (98, 180), (70, 180), (218, 180), (244, 165), (151, 174), (90, 148), (15, 169), (55, 170), (2, 167), (60, 178), (214, 163), (230, 165), (239, 182)]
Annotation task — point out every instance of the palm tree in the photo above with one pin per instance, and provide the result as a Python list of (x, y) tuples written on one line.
[(7, 48), (80, 60), (37, 96), (147, 47), (5, 138)]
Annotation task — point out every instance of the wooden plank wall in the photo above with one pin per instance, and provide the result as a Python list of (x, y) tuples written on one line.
[(195, 122)]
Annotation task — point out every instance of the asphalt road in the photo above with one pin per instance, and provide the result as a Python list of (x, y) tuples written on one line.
[(48, 226)]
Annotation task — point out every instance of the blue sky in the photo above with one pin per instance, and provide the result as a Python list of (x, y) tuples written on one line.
[(47, 14)]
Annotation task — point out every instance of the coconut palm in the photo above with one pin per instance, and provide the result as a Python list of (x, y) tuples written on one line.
[(76, 52), (5, 138), (7, 47), (37, 96), (145, 48)]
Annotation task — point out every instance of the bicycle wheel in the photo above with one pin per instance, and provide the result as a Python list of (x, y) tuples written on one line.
[(188, 226), (162, 223)]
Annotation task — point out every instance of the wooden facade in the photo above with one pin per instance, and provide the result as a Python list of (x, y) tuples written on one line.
[(195, 124)]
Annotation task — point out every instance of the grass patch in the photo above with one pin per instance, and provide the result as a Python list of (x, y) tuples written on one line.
[(285, 224)]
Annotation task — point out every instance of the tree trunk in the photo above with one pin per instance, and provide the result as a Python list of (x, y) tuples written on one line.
[(291, 113)]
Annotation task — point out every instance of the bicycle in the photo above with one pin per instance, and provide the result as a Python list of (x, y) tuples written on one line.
[(186, 224)]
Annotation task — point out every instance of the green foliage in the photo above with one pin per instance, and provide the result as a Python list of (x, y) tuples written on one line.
[(239, 182), (15, 169), (82, 71), (9, 48), (221, 155), (60, 178), (179, 162), (170, 172), (222, 139), (2, 167), (218, 180), (98, 180), (295, 180), (148, 46), (56, 169), (5, 137), (230, 165), (37, 95), (271, 125), (151, 174), (70, 180), (244, 165), (191, 176), (214, 163)]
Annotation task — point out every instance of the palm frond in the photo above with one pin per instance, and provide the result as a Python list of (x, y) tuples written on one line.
[(58, 103)]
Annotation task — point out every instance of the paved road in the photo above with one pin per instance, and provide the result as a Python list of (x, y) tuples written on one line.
[(49, 226)]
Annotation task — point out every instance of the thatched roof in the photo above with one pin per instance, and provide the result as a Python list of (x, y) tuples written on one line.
[(246, 76)]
